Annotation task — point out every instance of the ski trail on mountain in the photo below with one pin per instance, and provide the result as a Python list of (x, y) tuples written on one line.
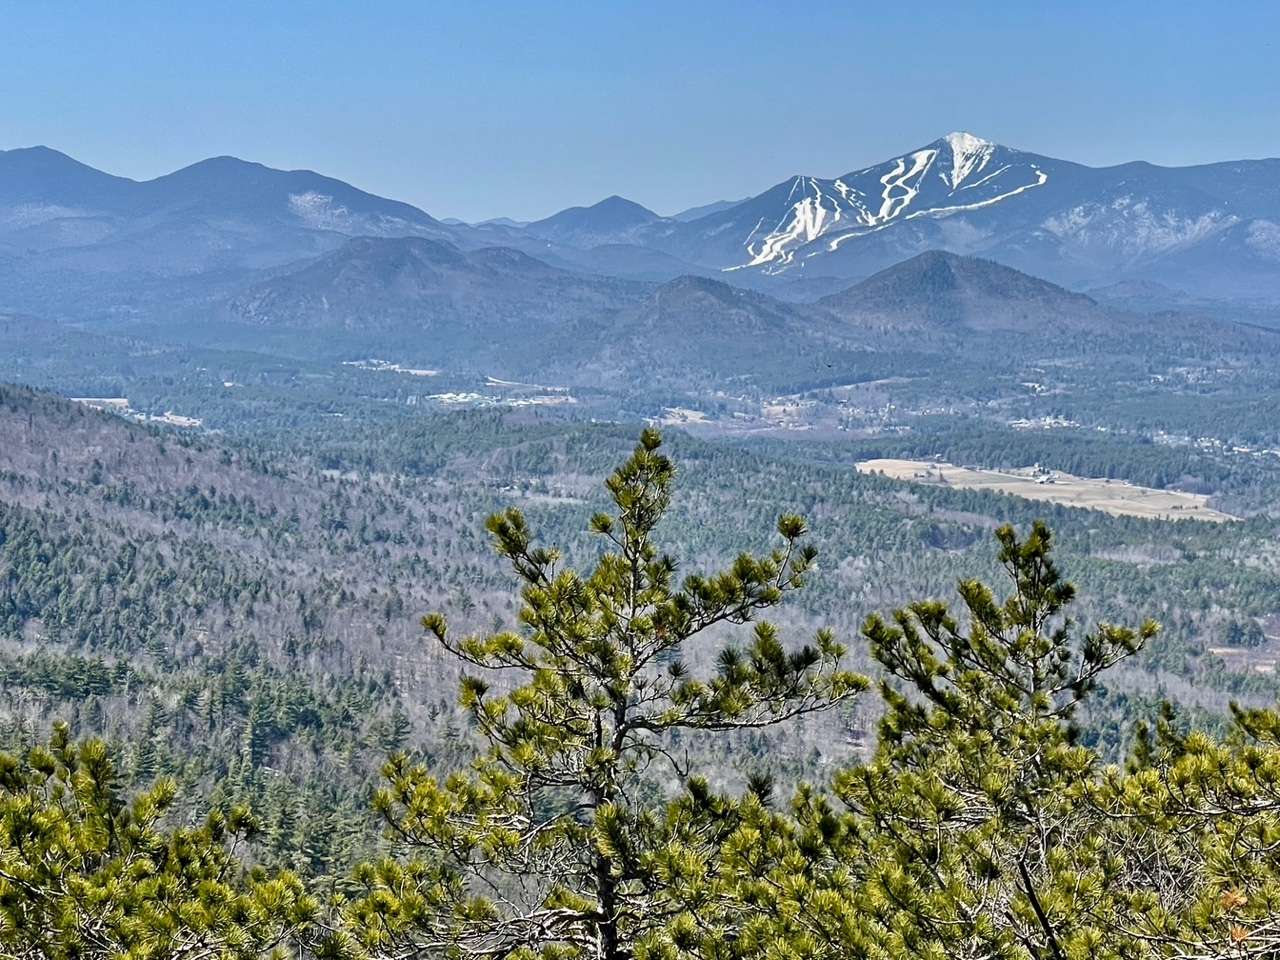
[(903, 189), (900, 178)]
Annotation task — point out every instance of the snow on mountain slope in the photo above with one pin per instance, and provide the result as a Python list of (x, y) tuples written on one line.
[(1133, 226), (1073, 224), (1215, 225), (957, 173)]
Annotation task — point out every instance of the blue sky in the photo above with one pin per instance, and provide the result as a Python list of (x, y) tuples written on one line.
[(477, 109)]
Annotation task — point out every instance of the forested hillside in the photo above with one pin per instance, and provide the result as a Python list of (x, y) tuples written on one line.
[(406, 554), (581, 820), (245, 619)]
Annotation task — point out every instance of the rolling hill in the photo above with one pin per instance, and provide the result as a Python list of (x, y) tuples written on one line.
[(500, 312), (947, 291)]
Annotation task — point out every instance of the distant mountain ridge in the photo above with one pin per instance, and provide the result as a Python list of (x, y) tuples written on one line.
[(1076, 225), (1214, 227), (45, 181), (959, 172), (611, 220), (77, 242), (415, 285), (216, 213), (499, 312), (705, 210)]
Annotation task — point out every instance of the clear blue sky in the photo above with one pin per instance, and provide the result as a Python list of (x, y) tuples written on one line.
[(477, 109)]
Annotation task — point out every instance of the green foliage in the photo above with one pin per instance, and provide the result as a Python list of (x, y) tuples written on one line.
[(1243, 633), (206, 581), (86, 873), (984, 822), (981, 828), (234, 621), (549, 844)]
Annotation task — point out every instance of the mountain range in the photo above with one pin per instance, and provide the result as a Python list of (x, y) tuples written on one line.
[(1214, 229), (438, 305), (79, 243), (927, 265), (498, 311)]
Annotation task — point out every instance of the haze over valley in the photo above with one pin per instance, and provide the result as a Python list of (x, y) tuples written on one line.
[(885, 563), (300, 322)]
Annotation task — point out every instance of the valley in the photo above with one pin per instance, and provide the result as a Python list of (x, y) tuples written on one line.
[(607, 481), (256, 419)]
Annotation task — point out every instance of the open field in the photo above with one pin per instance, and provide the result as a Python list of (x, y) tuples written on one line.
[(1117, 497)]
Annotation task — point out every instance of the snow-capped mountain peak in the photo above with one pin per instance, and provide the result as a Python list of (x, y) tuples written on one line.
[(965, 142), (968, 154), (956, 173)]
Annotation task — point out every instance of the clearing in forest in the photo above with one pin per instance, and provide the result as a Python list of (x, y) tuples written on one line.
[(1117, 497)]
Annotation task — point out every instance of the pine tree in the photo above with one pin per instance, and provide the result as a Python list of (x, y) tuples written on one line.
[(545, 845), (397, 730), (981, 828), (90, 874), (969, 797), (257, 731), (147, 763)]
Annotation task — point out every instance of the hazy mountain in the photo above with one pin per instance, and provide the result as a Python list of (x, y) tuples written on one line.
[(77, 243), (82, 244), (942, 289), (776, 229), (500, 312), (707, 326), (67, 228), (951, 305), (1252, 185), (613, 220), (39, 185), (1241, 261), (1213, 229), (627, 260), (1148, 296), (435, 304), (1054, 218), (705, 210)]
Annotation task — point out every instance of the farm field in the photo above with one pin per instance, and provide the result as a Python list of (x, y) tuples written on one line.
[(1116, 497)]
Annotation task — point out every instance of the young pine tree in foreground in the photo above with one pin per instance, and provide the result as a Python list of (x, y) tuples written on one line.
[(982, 829), (940, 844), (550, 845), (86, 874)]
